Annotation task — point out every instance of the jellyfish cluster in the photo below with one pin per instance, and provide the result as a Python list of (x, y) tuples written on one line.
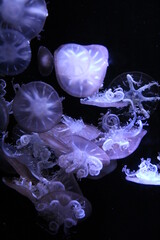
[(20, 22), (50, 151)]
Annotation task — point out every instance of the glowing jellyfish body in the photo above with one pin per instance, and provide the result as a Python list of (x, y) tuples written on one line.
[(25, 16), (37, 107), (146, 174), (15, 52), (81, 69), (85, 158), (45, 61)]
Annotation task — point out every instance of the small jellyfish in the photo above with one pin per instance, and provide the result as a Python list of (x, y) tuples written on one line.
[(25, 16), (45, 61), (15, 52), (85, 158), (4, 116), (37, 107), (81, 69), (146, 174)]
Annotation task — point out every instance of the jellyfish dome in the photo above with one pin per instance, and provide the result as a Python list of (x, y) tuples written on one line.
[(81, 69), (25, 16), (37, 107), (15, 52)]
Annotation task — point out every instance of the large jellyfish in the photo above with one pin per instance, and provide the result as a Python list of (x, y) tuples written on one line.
[(81, 69), (25, 16), (37, 107), (15, 52)]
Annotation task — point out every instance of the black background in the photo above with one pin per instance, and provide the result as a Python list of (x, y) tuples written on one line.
[(131, 32)]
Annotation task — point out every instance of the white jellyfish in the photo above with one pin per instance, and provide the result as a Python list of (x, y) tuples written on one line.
[(85, 157), (15, 52), (81, 69), (37, 107), (45, 61), (25, 16), (146, 174)]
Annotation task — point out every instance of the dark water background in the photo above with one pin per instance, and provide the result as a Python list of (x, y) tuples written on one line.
[(131, 32)]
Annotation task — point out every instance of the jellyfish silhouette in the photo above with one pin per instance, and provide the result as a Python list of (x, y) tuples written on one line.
[(81, 69), (15, 52), (45, 61), (37, 107), (25, 16)]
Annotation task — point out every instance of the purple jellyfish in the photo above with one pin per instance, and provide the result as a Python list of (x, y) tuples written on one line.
[(45, 61), (81, 69), (25, 16), (37, 107), (15, 52), (85, 158)]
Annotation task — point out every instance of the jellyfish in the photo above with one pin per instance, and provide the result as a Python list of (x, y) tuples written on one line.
[(52, 199), (85, 158), (80, 70), (120, 141), (146, 174), (25, 16), (15, 52), (45, 61), (140, 89), (63, 208), (37, 107)]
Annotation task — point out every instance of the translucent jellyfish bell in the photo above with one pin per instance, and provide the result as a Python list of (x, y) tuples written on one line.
[(37, 107), (15, 52), (26, 16), (81, 69), (45, 61), (140, 89)]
